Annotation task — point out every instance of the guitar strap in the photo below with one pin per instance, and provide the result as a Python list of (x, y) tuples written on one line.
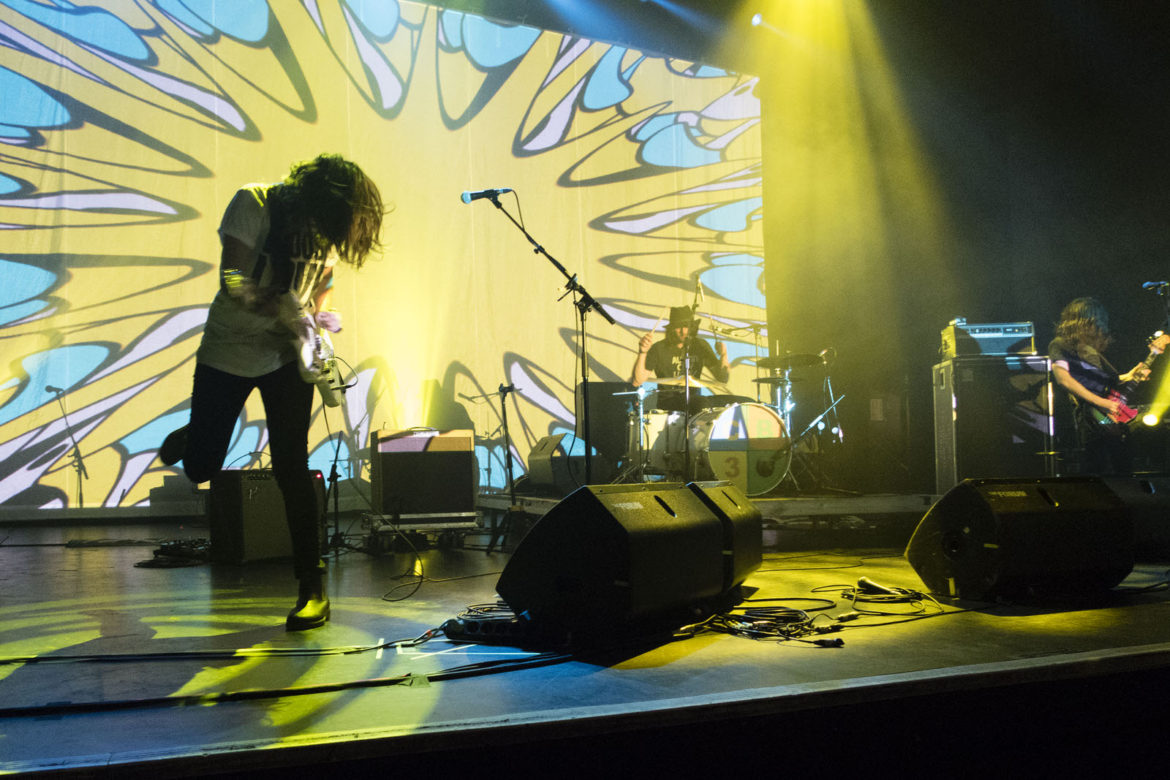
[(277, 247), (297, 263)]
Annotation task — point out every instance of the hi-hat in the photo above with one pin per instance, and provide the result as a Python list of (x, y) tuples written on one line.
[(790, 360)]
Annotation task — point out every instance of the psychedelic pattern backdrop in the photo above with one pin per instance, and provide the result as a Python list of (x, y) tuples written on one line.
[(125, 128)]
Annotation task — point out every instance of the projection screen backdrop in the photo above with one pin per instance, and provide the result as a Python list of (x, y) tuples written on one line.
[(125, 128)]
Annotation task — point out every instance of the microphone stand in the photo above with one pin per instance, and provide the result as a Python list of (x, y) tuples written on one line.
[(513, 509), (1160, 289), (337, 541), (504, 390), (686, 426), (584, 303), (78, 460)]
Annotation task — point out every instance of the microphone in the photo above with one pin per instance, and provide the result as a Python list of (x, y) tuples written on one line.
[(699, 298), (469, 196), (1154, 285), (866, 585), (52, 389)]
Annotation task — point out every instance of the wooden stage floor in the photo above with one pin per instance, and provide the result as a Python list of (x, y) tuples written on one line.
[(188, 670)]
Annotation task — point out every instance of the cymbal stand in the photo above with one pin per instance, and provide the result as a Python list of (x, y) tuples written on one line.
[(636, 447), (757, 328), (783, 398)]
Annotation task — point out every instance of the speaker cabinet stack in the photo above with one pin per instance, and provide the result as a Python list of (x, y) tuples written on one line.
[(245, 516), (992, 418), (990, 539), (628, 558)]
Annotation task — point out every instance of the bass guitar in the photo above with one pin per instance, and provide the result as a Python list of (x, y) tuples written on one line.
[(1126, 412)]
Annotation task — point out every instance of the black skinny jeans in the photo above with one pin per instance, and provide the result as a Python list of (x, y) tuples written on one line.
[(216, 402)]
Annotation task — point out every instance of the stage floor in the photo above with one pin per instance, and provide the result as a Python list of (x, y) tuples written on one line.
[(199, 676)]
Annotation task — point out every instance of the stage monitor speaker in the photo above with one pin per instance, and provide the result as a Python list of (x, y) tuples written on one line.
[(990, 539), (245, 516), (743, 533), (630, 558), (1148, 500), (423, 473), (551, 466)]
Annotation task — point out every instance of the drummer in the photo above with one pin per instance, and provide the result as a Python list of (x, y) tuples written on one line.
[(665, 359)]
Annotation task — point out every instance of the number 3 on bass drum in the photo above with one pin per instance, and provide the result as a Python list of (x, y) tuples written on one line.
[(745, 444)]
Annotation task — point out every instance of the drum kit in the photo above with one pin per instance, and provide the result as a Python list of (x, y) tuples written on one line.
[(682, 428)]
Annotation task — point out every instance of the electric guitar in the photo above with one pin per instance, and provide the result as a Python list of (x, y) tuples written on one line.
[(318, 364), (1126, 413)]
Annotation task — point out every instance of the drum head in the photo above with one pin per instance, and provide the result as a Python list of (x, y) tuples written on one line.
[(745, 444)]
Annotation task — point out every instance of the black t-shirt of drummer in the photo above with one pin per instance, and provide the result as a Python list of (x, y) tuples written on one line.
[(666, 360)]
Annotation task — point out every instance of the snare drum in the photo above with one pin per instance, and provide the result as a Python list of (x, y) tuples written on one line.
[(745, 444)]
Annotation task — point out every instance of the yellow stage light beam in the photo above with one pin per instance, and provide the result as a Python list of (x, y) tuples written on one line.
[(857, 193)]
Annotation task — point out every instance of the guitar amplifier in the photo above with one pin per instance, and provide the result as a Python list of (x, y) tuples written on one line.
[(245, 515), (423, 475), (961, 339)]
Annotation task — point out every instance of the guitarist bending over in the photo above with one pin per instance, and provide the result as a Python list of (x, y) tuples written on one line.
[(280, 243), (1102, 409)]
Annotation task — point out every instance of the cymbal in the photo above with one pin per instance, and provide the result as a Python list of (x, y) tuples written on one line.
[(790, 360), (775, 380), (680, 381)]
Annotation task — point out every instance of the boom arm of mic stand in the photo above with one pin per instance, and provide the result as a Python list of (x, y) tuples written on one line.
[(819, 417), (584, 302)]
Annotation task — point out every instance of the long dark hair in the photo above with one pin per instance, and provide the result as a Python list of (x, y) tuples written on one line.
[(339, 204), (1085, 321)]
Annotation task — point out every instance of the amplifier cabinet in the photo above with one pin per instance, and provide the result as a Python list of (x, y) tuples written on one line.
[(423, 474), (992, 418), (961, 338), (245, 515)]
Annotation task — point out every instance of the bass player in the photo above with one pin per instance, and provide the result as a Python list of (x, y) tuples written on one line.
[(1097, 391)]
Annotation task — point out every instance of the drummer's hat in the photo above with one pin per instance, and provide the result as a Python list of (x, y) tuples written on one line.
[(682, 316)]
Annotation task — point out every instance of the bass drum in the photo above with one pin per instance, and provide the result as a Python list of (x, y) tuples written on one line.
[(745, 444)]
